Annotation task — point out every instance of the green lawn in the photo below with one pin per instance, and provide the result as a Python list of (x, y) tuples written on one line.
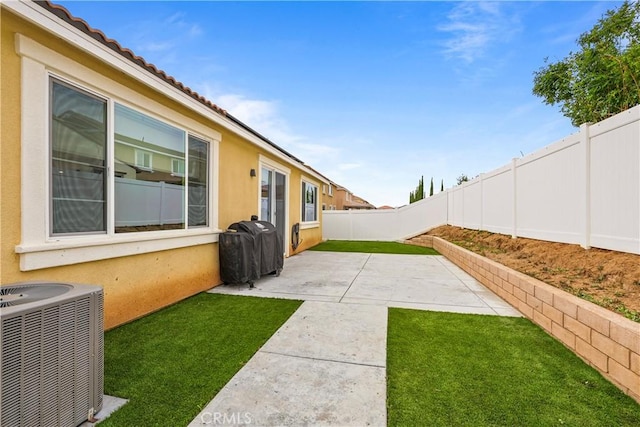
[(372, 247), (447, 369), (171, 363)]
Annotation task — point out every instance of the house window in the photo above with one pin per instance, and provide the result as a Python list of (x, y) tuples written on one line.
[(324, 189), (309, 202), (147, 197), (150, 192), (69, 177), (330, 190), (143, 160), (177, 167), (198, 183), (78, 132)]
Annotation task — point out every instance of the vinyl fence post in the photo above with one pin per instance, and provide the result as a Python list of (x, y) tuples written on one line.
[(514, 232), (481, 201), (585, 141)]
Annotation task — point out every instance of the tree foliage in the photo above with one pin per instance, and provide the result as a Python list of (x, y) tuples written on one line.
[(462, 178), (431, 188), (602, 78), (418, 194)]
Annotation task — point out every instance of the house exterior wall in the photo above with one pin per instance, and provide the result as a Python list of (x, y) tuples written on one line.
[(329, 197), (340, 196), (138, 283)]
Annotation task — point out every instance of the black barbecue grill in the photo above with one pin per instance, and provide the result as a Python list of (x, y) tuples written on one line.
[(249, 250)]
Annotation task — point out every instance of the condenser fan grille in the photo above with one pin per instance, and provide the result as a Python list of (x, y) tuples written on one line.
[(16, 295), (51, 354)]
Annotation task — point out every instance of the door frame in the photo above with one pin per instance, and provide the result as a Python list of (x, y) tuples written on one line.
[(267, 163)]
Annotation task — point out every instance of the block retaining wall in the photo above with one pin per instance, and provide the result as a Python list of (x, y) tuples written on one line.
[(603, 339)]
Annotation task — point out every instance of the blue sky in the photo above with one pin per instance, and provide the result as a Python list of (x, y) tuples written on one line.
[(373, 95)]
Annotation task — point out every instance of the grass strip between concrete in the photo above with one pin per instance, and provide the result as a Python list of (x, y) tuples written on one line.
[(171, 363), (372, 247), (447, 369)]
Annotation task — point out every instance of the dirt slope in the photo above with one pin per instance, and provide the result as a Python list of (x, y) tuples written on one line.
[(610, 279)]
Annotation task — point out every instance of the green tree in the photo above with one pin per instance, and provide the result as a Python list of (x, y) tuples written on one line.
[(418, 194), (441, 185), (462, 178), (431, 188), (602, 78)]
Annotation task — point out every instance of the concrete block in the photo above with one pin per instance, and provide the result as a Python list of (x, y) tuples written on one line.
[(542, 320), (552, 313), (593, 319), (544, 294), (525, 309), (520, 294), (567, 337), (624, 376), (627, 333), (611, 348), (579, 329), (563, 304), (534, 302), (592, 354), (526, 284), (635, 362)]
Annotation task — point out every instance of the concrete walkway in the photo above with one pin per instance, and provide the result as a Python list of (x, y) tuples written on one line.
[(327, 364)]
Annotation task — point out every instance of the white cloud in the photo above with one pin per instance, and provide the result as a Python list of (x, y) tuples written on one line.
[(348, 166), (161, 45), (474, 27), (264, 117)]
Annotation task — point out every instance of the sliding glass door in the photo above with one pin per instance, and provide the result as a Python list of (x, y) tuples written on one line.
[(273, 199)]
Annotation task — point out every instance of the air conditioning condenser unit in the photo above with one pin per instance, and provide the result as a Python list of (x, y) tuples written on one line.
[(52, 355)]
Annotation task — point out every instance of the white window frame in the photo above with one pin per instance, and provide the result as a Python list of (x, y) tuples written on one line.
[(309, 224), (330, 190), (174, 170), (268, 163), (38, 249), (144, 155)]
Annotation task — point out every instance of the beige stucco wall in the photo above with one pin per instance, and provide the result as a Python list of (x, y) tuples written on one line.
[(327, 199), (134, 285)]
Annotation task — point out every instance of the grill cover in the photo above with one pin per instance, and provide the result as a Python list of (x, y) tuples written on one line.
[(249, 250), (238, 264)]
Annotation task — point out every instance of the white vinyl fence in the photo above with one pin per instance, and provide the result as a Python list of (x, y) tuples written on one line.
[(584, 189), (148, 203)]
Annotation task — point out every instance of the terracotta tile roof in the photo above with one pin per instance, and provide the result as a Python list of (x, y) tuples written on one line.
[(82, 25)]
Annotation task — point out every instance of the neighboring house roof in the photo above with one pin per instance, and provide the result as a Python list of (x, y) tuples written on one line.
[(356, 205), (62, 13)]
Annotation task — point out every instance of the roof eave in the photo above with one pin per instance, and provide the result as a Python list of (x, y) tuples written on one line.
[(75, 31)]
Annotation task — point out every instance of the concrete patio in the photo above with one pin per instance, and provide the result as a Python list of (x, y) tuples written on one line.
[(327, 364)]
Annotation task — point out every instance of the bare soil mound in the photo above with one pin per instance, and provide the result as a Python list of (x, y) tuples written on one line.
[(608, 278)]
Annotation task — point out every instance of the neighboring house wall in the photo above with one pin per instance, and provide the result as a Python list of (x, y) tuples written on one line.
[(346, 200), (329, 197), (140, 271), (342, 196)]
